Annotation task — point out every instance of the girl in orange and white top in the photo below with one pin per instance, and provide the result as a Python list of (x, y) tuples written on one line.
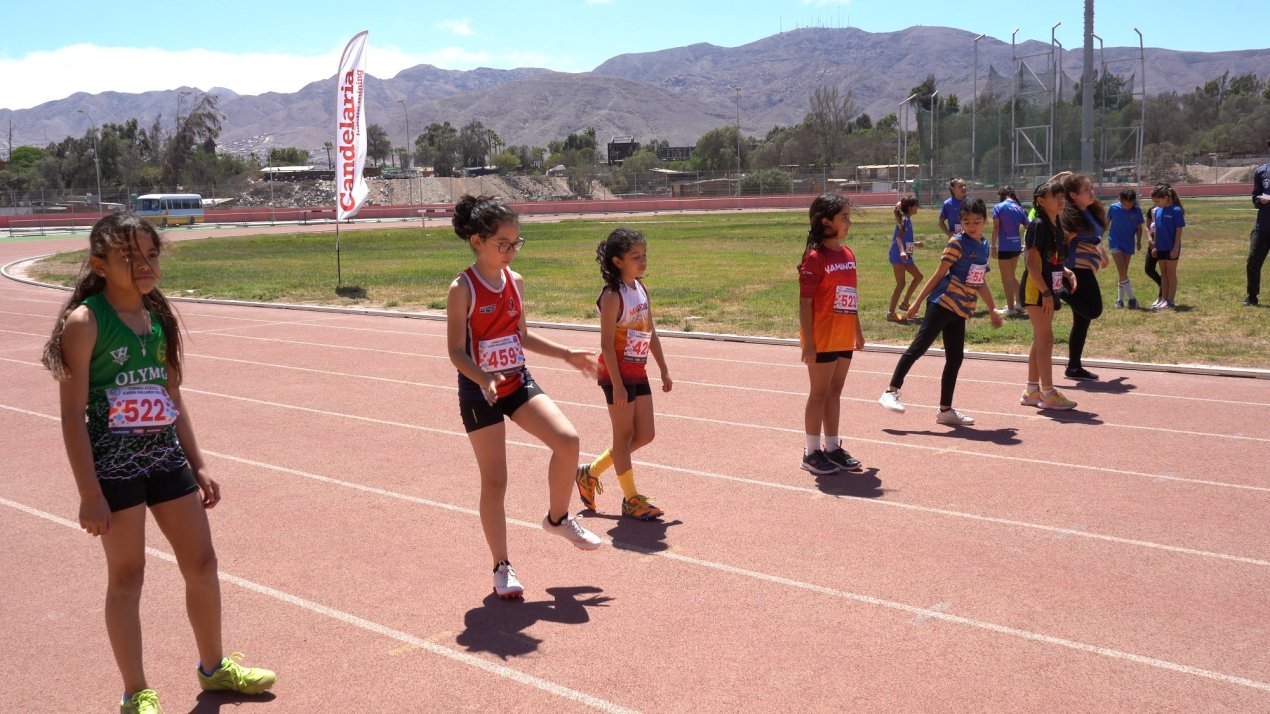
[(627, 338), (829, 328)]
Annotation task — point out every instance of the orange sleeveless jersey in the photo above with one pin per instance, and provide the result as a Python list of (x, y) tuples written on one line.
[(828, 277), (631, 339)]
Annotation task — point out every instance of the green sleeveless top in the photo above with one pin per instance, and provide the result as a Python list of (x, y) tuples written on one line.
[(129, 413)]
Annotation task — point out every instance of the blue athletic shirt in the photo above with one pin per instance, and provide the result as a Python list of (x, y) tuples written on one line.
[(1084, 251), (1167, 221), (907, 239), (951, 213), (1011, 217), (963, 255), (1123, 229)]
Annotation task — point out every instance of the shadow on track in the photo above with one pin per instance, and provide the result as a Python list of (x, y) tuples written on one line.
[(498, 626)]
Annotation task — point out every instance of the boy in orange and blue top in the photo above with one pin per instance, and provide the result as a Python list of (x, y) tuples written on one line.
[(953, 292)]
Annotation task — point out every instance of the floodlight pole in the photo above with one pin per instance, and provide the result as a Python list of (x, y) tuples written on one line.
[(96, 158), (974, 110)]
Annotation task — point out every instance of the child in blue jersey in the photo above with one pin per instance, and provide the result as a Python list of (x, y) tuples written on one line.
[(901, 257), (1008, 220), (116, 354), (1125, 238), (952, 292), (1169, 221), (950, 212)]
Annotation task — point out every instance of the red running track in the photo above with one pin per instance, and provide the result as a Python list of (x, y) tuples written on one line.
[(1113, 559)]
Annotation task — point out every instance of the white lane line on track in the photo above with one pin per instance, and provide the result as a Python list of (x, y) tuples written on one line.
[(923, 612), (766, 427), (361, 623), (863, 503), (1159, 478)]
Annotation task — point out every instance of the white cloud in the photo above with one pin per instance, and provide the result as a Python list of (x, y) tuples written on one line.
[(459, 27), (45, 76)]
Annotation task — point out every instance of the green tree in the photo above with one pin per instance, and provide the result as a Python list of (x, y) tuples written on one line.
[(438, 147), (829, 119), (288, 156), (201, 127), (378, 146)]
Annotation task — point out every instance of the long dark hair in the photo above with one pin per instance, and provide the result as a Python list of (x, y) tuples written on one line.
[(902, 207), (1162, 190), (116, 231), (825, 207), (1073, 219), (616, 245), (480, 216)]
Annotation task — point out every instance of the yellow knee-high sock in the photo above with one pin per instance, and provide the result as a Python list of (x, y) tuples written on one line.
[(602, 464), (627, 480)]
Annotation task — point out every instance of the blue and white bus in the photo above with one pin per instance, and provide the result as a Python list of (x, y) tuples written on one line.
[(170, 209)]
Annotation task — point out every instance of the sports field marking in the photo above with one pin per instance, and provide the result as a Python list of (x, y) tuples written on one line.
[(928, 613), (813, 492), (723, 422), (362, 623), (768, 427)]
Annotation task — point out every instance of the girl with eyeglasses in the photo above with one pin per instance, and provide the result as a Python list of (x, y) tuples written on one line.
[(487, 335)]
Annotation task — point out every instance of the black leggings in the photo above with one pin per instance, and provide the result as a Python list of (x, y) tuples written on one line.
[(938, 319), (1152, 272), (1086, 305)]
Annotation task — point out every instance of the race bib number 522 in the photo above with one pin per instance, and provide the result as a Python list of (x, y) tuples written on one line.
[(138, 410)]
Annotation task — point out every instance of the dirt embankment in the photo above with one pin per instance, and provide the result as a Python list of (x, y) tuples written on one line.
[(426, 190)]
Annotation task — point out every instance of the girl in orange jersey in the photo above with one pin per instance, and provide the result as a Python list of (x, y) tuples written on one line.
[(829, 328), (627, 338), (487, 334)]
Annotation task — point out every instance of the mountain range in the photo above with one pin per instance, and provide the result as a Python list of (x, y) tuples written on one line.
[(675, 94)]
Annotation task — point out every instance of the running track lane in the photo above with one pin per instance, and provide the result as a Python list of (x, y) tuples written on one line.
[(973, 578)]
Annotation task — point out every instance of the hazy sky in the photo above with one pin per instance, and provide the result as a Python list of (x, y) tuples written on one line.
[(49, 52)]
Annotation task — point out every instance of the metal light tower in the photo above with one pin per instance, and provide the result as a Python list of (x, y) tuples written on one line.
[(410, 184), (96, 156), (974, 110), (901, 147), (738, 140), (933, 114), (1087, 95)]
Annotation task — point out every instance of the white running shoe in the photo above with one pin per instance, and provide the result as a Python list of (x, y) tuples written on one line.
[(891, 400), (506, 584), (952, 417), (572, 531), (1003, 311)]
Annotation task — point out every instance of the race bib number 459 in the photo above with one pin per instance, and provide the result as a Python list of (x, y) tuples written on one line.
[(844, 300), (139, 410), (501, 355)]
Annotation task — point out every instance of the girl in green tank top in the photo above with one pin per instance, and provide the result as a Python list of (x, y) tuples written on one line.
[(116, 354)]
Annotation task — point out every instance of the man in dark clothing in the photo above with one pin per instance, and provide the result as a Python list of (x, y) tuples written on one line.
[(1259, 241)]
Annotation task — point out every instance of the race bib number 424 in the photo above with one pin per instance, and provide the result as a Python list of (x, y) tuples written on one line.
[(501, 355), (637, 346), (138, 410)]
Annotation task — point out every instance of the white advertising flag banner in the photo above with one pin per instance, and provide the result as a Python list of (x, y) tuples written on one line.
[(350, 129)]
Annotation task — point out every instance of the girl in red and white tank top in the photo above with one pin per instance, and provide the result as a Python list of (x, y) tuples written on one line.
[(627, 338), (487, 335)]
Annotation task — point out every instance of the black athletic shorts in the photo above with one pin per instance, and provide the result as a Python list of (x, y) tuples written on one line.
[(638, 389), (1008, 254), (124, 493), (827, 357), (478, 415)]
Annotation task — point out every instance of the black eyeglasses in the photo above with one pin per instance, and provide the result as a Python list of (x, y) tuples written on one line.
[(513, 247)]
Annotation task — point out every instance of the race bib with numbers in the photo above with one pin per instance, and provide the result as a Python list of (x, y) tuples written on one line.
[(500, 355), (975, 275), (1056, 281), (637, 342), (908, 247), (844, 300), (139, 410)]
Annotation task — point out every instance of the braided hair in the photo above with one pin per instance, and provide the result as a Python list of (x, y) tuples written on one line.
[(616, 245)]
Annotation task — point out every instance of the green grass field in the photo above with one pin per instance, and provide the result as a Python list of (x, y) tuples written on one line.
[(732, 273)]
